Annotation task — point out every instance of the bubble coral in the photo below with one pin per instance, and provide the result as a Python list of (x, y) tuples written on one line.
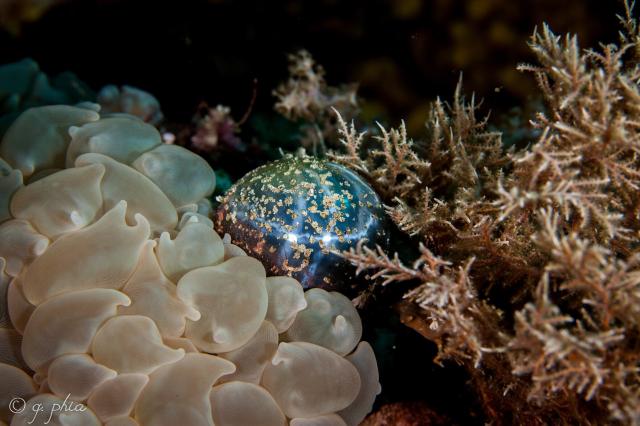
[(23, 85), (130, 100), (117, 293)]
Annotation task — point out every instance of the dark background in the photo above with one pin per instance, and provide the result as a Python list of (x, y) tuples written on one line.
[(403, 53)]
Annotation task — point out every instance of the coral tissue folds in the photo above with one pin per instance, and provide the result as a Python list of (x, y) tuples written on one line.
[(117, 293)]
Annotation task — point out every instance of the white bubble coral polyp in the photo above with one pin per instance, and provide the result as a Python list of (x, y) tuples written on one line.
[(116, 293)]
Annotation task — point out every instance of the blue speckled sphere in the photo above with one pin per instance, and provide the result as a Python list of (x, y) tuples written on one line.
[(293, 212)]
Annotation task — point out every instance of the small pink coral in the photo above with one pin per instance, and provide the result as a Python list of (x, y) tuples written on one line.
[(216, 127)]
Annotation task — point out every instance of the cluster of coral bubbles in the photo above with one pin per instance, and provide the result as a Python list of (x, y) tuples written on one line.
[(118, 295)]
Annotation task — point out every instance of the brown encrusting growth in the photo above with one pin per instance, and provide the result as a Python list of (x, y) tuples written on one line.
[(528, 274), (412, 413)]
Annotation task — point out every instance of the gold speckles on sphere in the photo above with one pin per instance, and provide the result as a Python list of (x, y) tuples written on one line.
[(293, 212)]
